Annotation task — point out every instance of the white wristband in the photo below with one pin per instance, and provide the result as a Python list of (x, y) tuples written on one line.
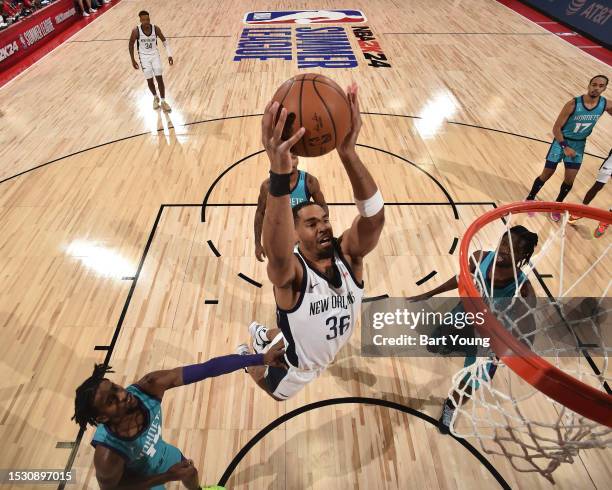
[(167, 46), (370, 206)]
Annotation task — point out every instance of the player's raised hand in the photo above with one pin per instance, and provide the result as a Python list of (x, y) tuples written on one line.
[(279, 151), (348, 145), (275, 356)]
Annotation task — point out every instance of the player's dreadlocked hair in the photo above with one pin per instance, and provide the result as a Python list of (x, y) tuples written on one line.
[(528, 242), (84, 411)]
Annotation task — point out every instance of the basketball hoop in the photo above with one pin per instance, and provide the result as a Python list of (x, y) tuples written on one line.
[(581, 400)]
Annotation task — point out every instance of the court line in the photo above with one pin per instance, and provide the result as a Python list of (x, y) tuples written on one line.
[(249, 280), (111, 346), (235, 164), (354, 400), (453, 246), (212, 246), (375, 298), (127, 39), (426, 278), (225, 118)]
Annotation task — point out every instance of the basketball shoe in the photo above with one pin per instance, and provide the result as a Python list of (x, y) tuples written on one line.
[(601, 229), (165, 106), (155, 103), (446, 417), (258, 334)]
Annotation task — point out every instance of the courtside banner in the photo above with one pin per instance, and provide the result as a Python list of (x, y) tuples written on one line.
[(22, 38), (592, 18), (305, 17)]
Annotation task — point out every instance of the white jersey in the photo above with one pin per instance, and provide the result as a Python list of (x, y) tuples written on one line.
[(147, 45), (324, 317)]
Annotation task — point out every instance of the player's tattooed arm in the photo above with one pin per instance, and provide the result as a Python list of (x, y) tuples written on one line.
[(278, 227), (259, 218), (315, 191), (133, 38)]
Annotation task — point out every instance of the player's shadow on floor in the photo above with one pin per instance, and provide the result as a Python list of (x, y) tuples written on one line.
[(324, 460), (360, 381)]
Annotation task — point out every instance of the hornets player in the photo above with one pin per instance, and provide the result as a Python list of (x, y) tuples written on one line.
[(145, 36), (130, 451), (575, 123), (303, 187), (318, 283)]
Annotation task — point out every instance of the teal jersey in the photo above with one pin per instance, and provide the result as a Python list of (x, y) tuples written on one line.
[(484, 283), (581, 122), (300, 192), (146, 453)]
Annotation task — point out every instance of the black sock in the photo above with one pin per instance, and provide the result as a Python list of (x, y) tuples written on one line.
[(564, 191), (535, 188)]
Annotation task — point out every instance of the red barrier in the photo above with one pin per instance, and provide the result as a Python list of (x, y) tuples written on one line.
[(22, 38)]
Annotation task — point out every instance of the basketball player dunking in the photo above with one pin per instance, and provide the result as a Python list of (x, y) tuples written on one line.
[(317, 283), (145, 35), (303, 186), (571, 129)]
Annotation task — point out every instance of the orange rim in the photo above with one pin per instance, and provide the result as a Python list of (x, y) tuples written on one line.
[(550, 380)]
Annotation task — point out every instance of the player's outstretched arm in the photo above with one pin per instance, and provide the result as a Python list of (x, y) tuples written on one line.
[(131, 47), (166, 44), (363, 235), (158, 382), (278, 228)]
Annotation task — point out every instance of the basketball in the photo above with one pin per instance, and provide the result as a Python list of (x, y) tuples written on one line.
[(318, 104)]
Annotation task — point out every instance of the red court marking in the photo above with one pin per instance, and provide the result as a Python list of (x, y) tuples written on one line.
[(586, 45), (7, 75)]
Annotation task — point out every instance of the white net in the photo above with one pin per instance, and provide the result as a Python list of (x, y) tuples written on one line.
[(568, 325)]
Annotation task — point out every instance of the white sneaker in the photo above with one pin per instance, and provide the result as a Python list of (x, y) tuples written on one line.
[(258, 334), (93, 10), (155, 103), (243, 350), (85, 14), (107, 1), (165, 106)]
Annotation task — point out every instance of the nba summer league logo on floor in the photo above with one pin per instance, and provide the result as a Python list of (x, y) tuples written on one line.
[(321, 46)]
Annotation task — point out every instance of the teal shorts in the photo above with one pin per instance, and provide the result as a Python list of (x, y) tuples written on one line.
[(555, 154)]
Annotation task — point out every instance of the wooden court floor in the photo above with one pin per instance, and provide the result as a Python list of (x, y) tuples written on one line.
[(103, 241)]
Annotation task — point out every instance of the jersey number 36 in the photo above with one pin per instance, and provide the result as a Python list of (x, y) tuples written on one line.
[(337, 326)]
